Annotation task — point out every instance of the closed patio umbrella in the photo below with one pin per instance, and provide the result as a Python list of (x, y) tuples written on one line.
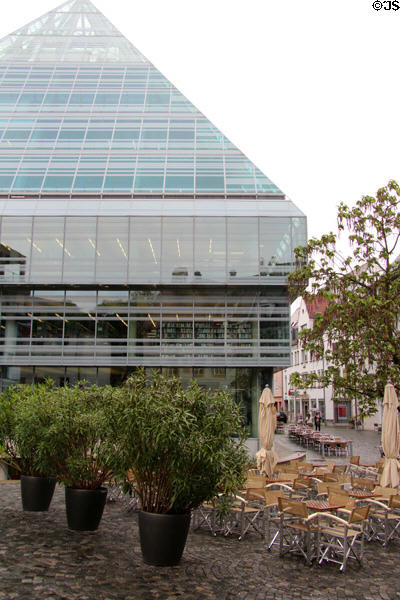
[(390, 438), (266, 457)]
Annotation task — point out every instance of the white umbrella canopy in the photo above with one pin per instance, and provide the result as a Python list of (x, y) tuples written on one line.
[(390, 438), (266, 457)]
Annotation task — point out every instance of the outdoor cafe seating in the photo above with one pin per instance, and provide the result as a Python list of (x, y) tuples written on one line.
[(326, 444), (320, 512)]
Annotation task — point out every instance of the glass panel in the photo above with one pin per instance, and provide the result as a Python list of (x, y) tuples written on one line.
[(57, 374), (243, 386), (79, 328), (112, 375), (118, 183), (210, 328), (275, 246), (47, 328), (145, 249), (177, 326), (79, 98), (107, 98), (179, 174), (88, 374), (299, 234), (112, 249), (18, 375), (275, 330), (99, 134), (243, 247), (242, 330), (27, 182), (210, 174), (58, 183), (15, 248), (88, 183), (239, 175), (112, 328), (47, 249), (80, 303), (132, 99), (112, 303), (56, 98), (44, 135), (145, 336), (67, 134), (16, 134), (210, 247), (177, 252), (79, 251), (48, 303), (30, 99)]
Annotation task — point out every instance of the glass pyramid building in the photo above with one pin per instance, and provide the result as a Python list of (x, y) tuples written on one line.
[(133, 232)]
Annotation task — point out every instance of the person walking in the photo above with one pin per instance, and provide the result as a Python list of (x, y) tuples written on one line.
[(317, 421)]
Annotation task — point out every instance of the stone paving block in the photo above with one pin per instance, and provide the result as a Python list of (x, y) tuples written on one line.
[(42, 559)]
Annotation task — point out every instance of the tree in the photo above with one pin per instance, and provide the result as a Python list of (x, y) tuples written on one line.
[(360, 323)]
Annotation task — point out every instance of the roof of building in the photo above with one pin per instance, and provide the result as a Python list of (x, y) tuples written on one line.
[(91, 115), (317, 305)]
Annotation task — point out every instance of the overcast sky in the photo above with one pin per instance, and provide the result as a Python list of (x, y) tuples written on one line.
[(307, 89)]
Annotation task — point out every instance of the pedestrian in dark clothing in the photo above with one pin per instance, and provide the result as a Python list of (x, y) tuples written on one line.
[(317, 422)]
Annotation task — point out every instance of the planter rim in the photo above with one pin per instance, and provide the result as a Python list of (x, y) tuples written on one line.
[(78, 489), (181, 514), (38, 477)]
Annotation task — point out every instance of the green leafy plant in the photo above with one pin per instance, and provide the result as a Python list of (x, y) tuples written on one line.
[(184, 446), (79, 436), (357, 335), (25, 418)]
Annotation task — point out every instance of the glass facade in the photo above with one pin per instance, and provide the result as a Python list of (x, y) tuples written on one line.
[(112, 130), (132, 231), (128, 250), (152, 326)]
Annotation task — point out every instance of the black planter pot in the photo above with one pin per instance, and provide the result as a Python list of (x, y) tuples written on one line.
[(163, 537), (36, 492), (84, 508)]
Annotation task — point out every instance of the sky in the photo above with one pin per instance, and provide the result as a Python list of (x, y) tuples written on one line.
[(308, 90)]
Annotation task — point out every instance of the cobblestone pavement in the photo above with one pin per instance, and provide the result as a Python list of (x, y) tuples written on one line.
[(41, 559), (365, 444)]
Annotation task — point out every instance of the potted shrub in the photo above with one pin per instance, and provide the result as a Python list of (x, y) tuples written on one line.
[(180, 445), (25, 418), (79, 440)]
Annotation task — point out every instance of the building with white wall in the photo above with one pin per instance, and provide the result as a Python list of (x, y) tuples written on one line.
[(298, 403)]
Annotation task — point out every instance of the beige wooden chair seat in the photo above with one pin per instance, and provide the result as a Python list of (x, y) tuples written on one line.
[(340, 540), (384, 520), (297, 530)]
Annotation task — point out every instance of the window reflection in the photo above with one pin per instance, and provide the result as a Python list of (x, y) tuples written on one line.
[(82, 302), (275, 246), (145, 248), (299, 235), (177, 251), (47, 249), (79, 252), (242, 247), (210, 247), (112, 250), (112, 303), (15, 248)]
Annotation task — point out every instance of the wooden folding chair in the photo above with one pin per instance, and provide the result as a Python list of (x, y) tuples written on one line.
[(384, 520), (302, 488), (296, 529), (340, 539), (243, 517), (363, 483)]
